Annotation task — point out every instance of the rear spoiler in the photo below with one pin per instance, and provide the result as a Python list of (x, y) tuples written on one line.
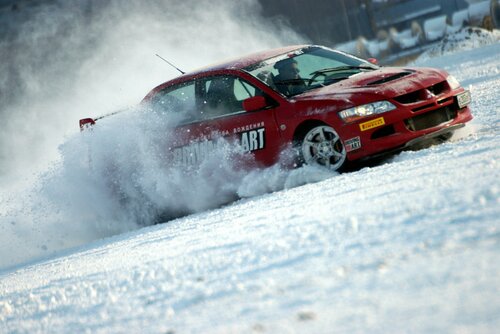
[(86, 123)]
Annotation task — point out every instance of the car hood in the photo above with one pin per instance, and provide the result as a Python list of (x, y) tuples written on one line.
[(386, 82)]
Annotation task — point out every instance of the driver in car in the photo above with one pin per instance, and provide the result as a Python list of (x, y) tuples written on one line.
[(288, 80)]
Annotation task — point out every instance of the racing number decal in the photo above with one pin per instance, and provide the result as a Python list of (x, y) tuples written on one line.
[(352, 144)]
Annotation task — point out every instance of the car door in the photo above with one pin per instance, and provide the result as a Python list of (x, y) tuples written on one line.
[(221, 106), (187, 132), (206, 109)]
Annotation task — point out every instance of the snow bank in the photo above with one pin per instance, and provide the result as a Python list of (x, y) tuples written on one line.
[(465, 39), (435, 28), (405, 39)]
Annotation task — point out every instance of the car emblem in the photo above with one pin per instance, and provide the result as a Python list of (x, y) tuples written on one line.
[(428, 94)]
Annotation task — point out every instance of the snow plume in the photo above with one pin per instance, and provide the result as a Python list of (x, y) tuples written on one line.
[(65, 60), (121, 175)]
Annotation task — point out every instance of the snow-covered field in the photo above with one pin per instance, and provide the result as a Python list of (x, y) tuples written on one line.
[(409, 246)]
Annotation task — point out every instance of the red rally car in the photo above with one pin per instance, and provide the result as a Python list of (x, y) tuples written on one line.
[(332, 108)]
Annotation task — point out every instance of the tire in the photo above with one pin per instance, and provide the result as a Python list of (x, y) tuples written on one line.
[(322, 146)]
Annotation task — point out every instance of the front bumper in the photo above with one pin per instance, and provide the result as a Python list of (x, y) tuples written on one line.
[(408, 124)]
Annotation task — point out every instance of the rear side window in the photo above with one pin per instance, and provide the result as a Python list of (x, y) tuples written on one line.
[(179, 99), (205, 98)]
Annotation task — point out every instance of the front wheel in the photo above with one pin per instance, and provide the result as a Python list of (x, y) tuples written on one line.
[(322, 146)]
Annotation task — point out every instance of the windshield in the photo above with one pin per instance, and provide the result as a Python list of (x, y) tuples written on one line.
[(307, 68)]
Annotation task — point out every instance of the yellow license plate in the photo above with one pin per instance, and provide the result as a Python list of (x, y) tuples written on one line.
[(374, 123)]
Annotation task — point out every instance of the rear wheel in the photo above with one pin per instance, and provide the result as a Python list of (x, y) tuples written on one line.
[(322, 146)]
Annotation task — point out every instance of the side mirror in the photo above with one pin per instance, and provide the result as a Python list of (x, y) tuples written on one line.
[(255, 103), (374, 61)]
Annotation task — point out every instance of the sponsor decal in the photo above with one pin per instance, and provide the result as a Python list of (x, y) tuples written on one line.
[(352, 144), (196, 152), (374, 123), (317, 111), (217, 134), (253, 140), (248, 127)]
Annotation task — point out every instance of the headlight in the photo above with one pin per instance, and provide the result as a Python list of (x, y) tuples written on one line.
[(353, 114), (453, 82)]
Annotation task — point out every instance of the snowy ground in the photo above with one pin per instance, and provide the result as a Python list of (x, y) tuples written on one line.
[(409, 246)]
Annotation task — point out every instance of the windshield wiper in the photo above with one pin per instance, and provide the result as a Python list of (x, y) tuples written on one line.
[(342, 68), (290, 82)]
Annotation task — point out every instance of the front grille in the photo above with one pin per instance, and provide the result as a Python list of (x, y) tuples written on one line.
[(423, 94), (448, 99), (425, 106), (438, 88), (409, 98), (430, 119)]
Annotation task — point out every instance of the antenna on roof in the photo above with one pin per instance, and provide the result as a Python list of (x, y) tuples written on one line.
[(182, 72)]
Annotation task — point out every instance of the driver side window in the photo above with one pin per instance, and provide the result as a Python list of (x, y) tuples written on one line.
[(224, 95), (243, 90)]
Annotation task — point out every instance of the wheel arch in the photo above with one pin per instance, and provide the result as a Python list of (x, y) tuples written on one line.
[(304, 127)]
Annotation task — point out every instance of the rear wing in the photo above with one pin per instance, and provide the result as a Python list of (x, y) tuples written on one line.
[(86, 123)]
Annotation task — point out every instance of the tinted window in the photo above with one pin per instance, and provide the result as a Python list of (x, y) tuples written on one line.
[(224, 95), (205, 98), (243, 90), (179, 99)]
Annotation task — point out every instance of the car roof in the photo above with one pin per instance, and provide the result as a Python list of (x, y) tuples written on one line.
[(245, 61), (233, 64)]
